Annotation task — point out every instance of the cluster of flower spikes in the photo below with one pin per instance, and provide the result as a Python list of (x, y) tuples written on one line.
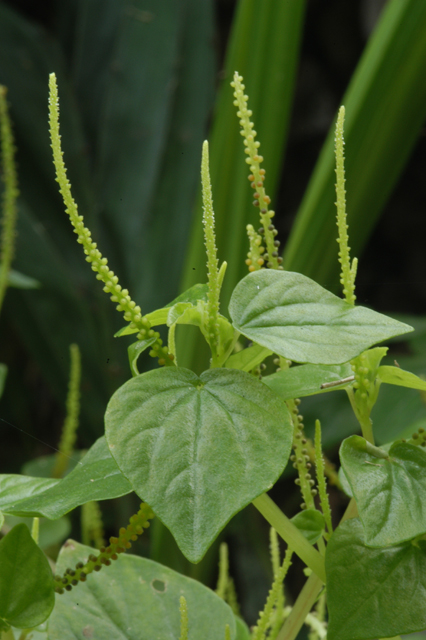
[(301, 459), (99, 264), (134, 529), (257, 257)]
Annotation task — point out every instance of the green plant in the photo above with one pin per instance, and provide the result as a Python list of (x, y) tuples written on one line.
[(199, 448)]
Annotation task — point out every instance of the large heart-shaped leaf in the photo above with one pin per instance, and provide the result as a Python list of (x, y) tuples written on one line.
[(136, 599), (27, 594), (96, 477), (373, 593), (389, 492), (306, 380), (296, 318), (198, 449)]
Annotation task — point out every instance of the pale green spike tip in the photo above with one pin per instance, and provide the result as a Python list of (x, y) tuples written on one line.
[(347, 277)]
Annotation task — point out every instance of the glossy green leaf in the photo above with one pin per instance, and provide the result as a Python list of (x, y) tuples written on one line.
[(296, 318), (15, 487), (401, 378), (3, 375), (306, 380), (194, 447), (27, 594), (134, 351), (311, 523), (373, 593), (136, 599), (247, 359), (97, 477), (388, 491)]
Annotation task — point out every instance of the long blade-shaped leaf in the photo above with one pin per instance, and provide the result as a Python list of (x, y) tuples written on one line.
[(385, 108)]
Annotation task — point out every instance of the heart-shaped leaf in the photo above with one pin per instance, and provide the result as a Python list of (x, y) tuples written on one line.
[(373, 593), (388, 491), (27, 593), (136, 599), (296, 318), (96, 477), (306, 380), (198, 449)]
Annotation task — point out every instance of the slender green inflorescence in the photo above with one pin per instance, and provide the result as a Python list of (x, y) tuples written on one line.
[(256, 177), (212, 260), (279, 614), (131, 311), (222, 581), (347, 277), (227, 632), (255, 259), (69, 430), (183, 608), (266, 616), (322, 489), (10, 194), (92, 529), (225, 587), (138, 523), (35, 529)]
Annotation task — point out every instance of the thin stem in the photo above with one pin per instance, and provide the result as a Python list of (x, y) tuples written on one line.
[(322, 487), (290, 534)]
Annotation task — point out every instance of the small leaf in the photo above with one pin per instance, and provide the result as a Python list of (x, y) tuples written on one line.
[(158, 317), (298, 319), (247, 359), (143, 602), (373, 593), (306, 380), (401, 378), (388, 492), (27, 594), (134, 350), (97, 477), (195, 448), (311, 523)]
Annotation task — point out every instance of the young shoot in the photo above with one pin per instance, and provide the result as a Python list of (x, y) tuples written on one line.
[(183, 608), (10, 194), (348, 272)]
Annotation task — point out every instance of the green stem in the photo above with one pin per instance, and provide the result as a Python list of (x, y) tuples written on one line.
[(302, 607), (290, 534)]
